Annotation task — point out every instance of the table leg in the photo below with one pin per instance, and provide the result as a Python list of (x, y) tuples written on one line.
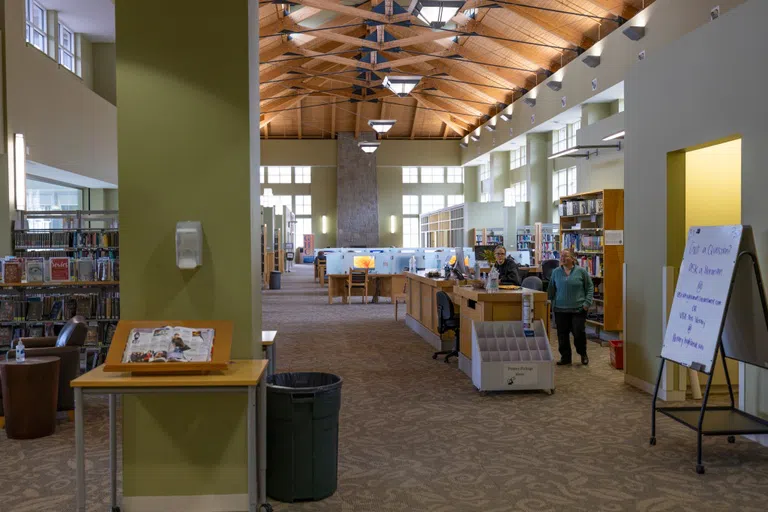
[(272, 359), (79, 450), (261, 426), (113, 450), (253, 483)]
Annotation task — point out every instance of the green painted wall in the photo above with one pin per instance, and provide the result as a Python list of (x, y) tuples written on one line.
[(183, 132)]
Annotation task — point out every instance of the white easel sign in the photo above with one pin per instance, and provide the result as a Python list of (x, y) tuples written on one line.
[(701, 294)]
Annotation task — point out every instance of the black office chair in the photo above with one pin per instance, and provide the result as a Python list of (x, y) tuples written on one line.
[(547, 267), (532, 283), (447, 320)]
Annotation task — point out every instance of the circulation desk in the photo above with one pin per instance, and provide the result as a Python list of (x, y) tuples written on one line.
[(481, 306), (422, 308)]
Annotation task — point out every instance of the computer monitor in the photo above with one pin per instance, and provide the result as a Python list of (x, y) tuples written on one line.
[(367, 261), (521, 257)]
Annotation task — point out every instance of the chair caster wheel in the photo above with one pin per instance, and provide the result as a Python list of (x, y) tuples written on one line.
[(434, 356), (266, 506), (115, 509), (731, 439), (653, 441), (700, 469)]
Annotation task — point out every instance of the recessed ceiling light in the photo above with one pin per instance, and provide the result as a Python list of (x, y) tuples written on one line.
[(591, 60)]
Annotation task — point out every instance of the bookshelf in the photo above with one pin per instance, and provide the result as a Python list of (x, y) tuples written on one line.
[(74, 234), (443, 228), (486, 236), (547, 242), (584, 219), (526, 238)]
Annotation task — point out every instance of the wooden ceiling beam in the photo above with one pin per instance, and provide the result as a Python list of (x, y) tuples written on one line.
[(358, 110), (409, 61), (298, 115), (415, 121), (328, 5), (333, 58), (561, 31), (425, 37), (619, 8), (442, 115), (278, 109)]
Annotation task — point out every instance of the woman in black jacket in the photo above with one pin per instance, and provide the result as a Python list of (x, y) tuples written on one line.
[(507, 268)]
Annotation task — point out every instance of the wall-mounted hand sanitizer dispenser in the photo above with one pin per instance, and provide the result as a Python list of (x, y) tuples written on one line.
[(189, 245)]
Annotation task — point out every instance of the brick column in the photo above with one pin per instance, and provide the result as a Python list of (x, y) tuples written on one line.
[(357, 193)]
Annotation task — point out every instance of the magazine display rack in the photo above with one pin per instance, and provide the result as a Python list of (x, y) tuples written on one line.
[(504, 359), (220, 355)]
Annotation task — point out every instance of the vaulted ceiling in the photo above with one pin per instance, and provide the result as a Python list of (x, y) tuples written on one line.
[(322, 61)]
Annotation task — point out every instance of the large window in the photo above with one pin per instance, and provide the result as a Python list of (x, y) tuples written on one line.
[(563, 183), (517, 158), (37, 25), (303, 175), (516, 193), (565, 137), (279, 174), (454, 199), (410, 232), (67, 48), (485, 172), (303, 205), (303, 227), (455, 175), (485, 198), (431, 203), (262, 173), (432, 175), (276, 202), (410, 174), (410, 205)]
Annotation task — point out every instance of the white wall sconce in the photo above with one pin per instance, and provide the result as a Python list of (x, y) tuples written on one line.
[(20, 170), (531, 102), (474, 137), (555, 85), (324, 225), (634, 33), (392, 224)]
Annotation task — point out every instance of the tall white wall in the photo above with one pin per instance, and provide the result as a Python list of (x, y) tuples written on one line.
[(702, 88)]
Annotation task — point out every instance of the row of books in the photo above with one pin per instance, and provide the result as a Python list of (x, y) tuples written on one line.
[(593, 264), (96, 333), (75, 239), (58, 269), (587, 207), (579, 242), (100, 305)]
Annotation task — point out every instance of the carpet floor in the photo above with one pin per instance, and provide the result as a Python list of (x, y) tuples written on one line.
[(416, 436)]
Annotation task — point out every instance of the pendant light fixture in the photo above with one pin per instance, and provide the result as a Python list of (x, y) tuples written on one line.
[(381, 125), (401, 85), (369, 147), (437, 12)]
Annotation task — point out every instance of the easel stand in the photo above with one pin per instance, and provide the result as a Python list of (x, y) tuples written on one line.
[(720, 420)]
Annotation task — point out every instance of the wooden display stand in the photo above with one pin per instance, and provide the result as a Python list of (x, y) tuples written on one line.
[(610, 217), (220, 356)]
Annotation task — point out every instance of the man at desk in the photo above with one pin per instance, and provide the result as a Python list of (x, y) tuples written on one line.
[(507, 268)]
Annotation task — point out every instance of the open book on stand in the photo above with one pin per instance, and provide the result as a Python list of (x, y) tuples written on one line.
[(169, 344)]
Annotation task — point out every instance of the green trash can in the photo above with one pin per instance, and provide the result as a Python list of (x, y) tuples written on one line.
[(302, 435), (274, 280)]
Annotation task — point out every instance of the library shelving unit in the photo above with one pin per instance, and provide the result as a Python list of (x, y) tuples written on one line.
[(526, 238), (486, 236), (584, 219), (547, 242), (443, 228), (75, 234)]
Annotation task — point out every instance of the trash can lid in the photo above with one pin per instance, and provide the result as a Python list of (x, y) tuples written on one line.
[(303, 381)]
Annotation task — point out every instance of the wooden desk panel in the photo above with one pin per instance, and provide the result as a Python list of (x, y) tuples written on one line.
[(379, 285), (422, 299)]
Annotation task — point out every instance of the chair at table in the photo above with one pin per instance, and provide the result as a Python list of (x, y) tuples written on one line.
[(532, 283), (547, 267), (357, 278), (399, 298), (447, 320), (66, 346)]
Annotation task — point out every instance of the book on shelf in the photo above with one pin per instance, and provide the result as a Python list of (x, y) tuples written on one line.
[(12, 271), (60, 270), (169, 344), (34, 310), (6, 333), (85, 269)]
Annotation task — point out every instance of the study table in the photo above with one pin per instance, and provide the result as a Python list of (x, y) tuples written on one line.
[(242, 376), (379, 285), (503, 305)]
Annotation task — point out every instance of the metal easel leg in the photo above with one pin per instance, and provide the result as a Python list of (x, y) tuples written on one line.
[(113, 451), (699, 430), (253, 480), (79, 450), (653, 403)]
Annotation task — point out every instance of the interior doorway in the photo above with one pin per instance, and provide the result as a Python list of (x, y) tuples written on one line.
[(703, 189)]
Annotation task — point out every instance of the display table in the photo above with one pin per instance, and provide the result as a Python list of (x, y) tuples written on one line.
[(242, 376), (479, 305), (30, 391), (379, 285), (421, 314)]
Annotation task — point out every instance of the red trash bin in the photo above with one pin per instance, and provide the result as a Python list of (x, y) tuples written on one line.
[(617, 354)]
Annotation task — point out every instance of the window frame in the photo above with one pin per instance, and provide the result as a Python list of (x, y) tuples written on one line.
[(411, 231), (262, 174), (431, 203), (433, 174), (454, 175), (410, 174), (409, 208), (485, 172), (31, 28), (300, 233), (64, 51), (280, 174), (566, 178), (302, 175), (306, 204), (453, 200), (518, 158), (517, 193)]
